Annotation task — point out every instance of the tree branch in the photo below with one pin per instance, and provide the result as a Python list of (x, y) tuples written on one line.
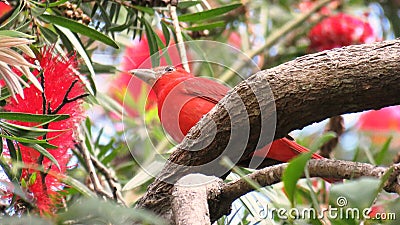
[(318, 168), (290, 96), (189, 203)]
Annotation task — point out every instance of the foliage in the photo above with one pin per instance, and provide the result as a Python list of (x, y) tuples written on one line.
[(81, 159)]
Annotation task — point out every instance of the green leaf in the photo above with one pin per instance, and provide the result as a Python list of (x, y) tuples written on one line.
[(104, 15), (54, 4), (204, 15), (44, 152), (32, 179), (104, 149), (19, 159), (91, 86), (77, 185), (50, 35), (208, 26), (152, 42), (382, 153), (23, 131), (36, 11), (79, 28), (187, 4), (293, 172), (42, 143), (6, 168), (11, 149), (120, 28), (13, 33), (98, 68), (28, 117), (322, 140), (358, 194), (147, 10), (166, 33)]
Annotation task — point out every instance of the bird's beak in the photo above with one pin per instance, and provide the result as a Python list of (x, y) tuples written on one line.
[(146, 75)]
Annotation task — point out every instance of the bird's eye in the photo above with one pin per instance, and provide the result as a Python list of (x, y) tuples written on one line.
[(169, 69)]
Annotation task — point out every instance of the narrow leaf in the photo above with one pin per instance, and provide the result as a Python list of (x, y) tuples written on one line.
[(28, 117), (6, 168), (152, 42), (207, 26), (147, 10), (43, 143), (80, 28), (50, 35), (44, 152), (78, 186), (82, 52), (11, 149), (382, 153), (24, 131), (293, 172), (166, 33), (322, 140), (350, 194), (204, 15), (13, 33)]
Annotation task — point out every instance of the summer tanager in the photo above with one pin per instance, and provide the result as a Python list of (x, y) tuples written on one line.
[(183, 99)]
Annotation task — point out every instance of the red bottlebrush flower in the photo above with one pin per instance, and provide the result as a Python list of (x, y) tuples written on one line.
[(340, 30), (5, 7), (134, 57), (381, 124), (60, 83), (386, 119)]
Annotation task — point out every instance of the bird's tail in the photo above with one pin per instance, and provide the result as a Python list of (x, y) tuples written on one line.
[(284, 150)]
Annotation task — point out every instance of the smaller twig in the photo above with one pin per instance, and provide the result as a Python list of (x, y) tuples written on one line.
[(111, 180), (67, 100), (179, 37), (97, 187), (326, 168), (44, 100)]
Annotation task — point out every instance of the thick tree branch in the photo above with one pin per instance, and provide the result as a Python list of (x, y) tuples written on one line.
[(305, 90), (189, 202), (220, 204)]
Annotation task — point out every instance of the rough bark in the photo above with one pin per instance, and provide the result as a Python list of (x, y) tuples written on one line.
[(305, 90), (317, 168), (189, 202)]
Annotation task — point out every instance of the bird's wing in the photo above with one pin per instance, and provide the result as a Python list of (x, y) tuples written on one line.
[(207, 89)]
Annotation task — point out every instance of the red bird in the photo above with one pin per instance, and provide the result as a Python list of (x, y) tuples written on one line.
[(183, 99)]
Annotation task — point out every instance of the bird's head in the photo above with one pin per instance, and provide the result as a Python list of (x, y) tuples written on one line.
[(162, 78), (159, 74)]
